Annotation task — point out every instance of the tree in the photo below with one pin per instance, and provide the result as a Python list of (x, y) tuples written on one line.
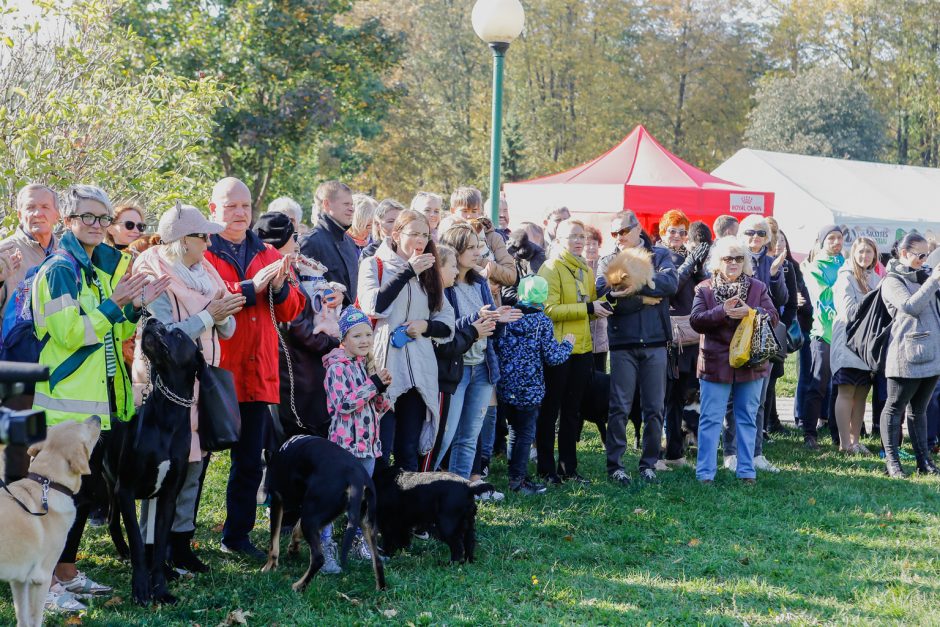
[(68, 114), (299, 73), (823, 112)]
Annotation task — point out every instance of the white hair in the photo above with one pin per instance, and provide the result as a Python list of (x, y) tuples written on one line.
[(727, 246), (35, 187), (419, 202), (754, 222), (365, 206), (174, 251), (288, 206), (77, 193)]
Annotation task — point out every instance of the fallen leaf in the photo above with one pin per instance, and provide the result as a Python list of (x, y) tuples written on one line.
[(390, 613), (694, 542), (889, 515), (115, 600), (218, 528), (73, 620), (569, 538), (235, 617), (811, 501), (349, 599), (639, 511)]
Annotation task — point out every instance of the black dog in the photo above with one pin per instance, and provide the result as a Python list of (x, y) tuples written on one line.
[(440, 502), (319, 480), (595, 406), (146, 457)]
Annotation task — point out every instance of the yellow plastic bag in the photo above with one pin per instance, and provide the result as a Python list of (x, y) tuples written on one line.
[(740, 350)]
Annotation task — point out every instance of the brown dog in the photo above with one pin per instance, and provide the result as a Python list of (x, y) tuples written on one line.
[(31, 545), (629, 272)]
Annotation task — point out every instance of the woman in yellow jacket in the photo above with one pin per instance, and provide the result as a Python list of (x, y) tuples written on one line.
[(84, 305), (572, 303)]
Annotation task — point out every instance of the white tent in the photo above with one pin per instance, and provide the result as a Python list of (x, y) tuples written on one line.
[(877, 200)]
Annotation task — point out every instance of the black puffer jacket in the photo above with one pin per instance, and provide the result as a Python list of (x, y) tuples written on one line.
[(450, 355)]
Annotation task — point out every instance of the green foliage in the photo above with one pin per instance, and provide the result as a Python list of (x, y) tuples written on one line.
[(298, 73), (68, 113), (823, 112)]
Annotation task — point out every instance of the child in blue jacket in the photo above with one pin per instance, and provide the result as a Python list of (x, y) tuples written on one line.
[(527, 345)]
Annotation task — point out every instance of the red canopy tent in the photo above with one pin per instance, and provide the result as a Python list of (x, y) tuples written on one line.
[(636, 174)]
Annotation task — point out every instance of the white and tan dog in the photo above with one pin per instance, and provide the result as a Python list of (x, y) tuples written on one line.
[(30, 545)]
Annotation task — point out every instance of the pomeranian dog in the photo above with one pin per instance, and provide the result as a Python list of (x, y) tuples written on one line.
[(630, 271)]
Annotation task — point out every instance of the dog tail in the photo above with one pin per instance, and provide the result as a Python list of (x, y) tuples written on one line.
[(353, 515), (369, 527), (481, 488)]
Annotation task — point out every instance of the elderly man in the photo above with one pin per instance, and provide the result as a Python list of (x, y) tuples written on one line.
[(328, 241), (503, 228), (638, 332), (37, 208), (254, 269), (291, 208), (553, 217)]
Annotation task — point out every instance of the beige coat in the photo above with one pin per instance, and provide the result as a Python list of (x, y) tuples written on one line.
[(33, 255)]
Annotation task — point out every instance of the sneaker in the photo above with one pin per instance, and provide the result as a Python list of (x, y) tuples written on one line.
[(421, 535), (247, 550), (552, 479), (649, 475), (492, 495), (619, 476), (749, 481), (762, 463), (731, 462), (576, 477), (330, 565), (533, 455), (661, 466), (810, 444), (526, 487), (83, 587), (59, 601), (861, 449), (360, 550), (676, 463)]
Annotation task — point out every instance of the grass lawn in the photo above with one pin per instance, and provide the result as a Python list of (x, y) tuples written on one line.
[(829, 540)]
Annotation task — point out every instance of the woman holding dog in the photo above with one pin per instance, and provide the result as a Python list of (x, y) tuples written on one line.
[(197, 303), (85, 303), (719, 306), (400, 288)]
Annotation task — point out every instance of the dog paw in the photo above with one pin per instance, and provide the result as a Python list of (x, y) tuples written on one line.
[(141, 593), (299, 586), (270, 565), (164, 598)]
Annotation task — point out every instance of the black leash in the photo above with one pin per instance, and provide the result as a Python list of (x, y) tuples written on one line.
[(46, 484)]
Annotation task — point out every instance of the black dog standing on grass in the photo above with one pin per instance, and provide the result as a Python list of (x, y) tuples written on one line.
[(440, 502), (318, 480), (146, 457)]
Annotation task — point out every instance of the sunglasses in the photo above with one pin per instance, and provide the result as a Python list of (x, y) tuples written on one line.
[(752, 233), (922, 256), (737, 259), (132, 226), (622, 232), (203, 236)]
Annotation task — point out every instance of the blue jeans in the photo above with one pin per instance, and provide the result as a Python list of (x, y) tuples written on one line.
[(714, 405), (488, 433), (244, 476), (521, 435), (465, 419)]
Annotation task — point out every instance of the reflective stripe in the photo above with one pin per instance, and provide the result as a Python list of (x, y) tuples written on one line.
[(58, 304), (90, 336), (71, 405)]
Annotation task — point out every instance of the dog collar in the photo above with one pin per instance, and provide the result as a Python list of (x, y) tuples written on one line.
[(48, 483)]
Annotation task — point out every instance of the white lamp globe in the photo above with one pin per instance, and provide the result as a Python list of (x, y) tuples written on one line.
[(498, 21)]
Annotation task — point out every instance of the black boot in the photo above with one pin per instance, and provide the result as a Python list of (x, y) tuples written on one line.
[(181, 553), (927, 467)]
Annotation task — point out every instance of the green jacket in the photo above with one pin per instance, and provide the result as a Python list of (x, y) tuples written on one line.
[(72, 320), (821, 275), (570, 289)]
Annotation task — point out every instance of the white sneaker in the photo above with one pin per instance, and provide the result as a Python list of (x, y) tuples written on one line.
[(83, 587), (761, 463), (60, 601), (731, 462), (330, 565), (492, 495), (361, 550)]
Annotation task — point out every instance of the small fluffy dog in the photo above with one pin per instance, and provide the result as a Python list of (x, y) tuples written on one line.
[(30, 545), (317, 480), (630, 271), (440, 502)]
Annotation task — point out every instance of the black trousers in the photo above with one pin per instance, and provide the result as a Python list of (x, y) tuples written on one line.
[(565, 386), (676, 390), (913, 394), (90, 495), (410, 412)]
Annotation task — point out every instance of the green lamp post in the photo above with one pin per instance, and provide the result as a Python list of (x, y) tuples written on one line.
[(498, 23)]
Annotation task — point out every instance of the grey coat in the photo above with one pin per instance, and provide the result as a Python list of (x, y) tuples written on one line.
[(847, 297), (414, 365), (914, 347)]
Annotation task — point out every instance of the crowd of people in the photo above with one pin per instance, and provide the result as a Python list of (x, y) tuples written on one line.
[(436, 340)]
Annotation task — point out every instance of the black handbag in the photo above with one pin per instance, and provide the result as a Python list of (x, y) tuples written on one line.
[(781, 336), (220, 422), (794, 337)]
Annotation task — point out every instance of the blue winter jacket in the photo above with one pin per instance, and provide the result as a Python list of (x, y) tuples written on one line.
[(527, 345)]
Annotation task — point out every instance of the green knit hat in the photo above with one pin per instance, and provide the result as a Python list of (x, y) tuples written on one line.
[(533, 289)]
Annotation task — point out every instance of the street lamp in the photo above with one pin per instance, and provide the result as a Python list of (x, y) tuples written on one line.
[(498, 23)]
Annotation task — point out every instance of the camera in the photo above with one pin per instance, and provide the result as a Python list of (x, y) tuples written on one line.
[(19, 429)]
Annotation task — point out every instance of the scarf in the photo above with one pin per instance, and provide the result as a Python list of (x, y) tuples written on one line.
[(196, 278), (681, 251), (897, 268), (727, 289)]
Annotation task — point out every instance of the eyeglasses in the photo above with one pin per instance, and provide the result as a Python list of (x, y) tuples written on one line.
[(752, 233), (737, 259), (680, 232), (203, 236), (89, 219), (135, 226), (622, 232), (576, 238), (417, 235)]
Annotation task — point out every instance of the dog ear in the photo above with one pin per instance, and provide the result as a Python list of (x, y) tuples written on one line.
[(34, 449), (78, 461)]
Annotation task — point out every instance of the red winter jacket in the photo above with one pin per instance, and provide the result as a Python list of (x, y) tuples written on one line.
[(251, 354)]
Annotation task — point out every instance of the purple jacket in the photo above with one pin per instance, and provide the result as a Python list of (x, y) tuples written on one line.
[(717, 329)]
